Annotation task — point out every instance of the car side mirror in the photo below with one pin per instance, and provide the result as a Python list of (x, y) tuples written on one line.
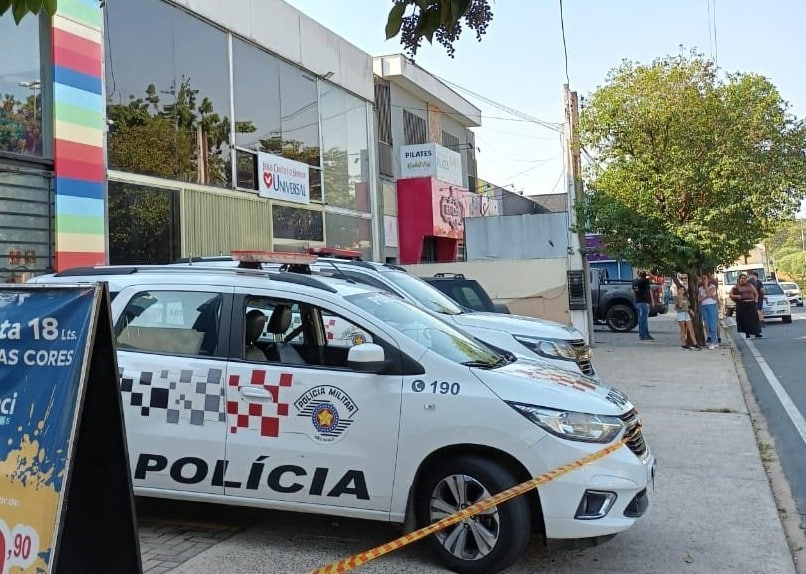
[(366, 358)]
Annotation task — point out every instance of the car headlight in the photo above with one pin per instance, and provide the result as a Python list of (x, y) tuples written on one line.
[(571, 425), (548, 347)]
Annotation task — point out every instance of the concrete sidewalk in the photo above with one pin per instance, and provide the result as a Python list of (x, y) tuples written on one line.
[(712, 510)]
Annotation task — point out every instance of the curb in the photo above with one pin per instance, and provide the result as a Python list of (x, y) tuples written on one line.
[(781, 491)]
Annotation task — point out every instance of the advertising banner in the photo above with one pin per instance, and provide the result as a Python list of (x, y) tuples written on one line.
[(46, 347), (282, 178), (451, 205), (431, 160)]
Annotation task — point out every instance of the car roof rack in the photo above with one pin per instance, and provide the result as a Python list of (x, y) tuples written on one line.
[(109, 270), (450, 275)]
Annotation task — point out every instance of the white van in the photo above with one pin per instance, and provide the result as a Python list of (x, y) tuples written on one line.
[(228, 398)]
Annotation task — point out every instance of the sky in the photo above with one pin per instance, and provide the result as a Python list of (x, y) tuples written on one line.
[(520, 61)]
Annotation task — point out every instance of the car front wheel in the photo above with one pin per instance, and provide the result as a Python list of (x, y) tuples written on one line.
[(486, 543), (786, 319)]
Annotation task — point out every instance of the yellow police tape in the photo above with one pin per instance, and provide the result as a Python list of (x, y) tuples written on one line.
[(348, 564)]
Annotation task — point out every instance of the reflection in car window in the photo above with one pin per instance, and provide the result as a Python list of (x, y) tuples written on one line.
[(176, 322), (428, 296), (424, 328)]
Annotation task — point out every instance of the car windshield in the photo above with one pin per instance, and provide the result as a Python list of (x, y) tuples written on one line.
[(788, 285), (731, 277), (427, 330), (772, 289), (429, 297)]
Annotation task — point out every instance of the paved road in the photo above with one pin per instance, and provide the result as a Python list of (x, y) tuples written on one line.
[(775, 366)]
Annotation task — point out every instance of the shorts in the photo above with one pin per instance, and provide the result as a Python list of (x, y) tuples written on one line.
[(682, 317)]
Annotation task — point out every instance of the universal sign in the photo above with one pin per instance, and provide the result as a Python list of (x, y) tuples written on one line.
[(282, 178), (431, 160)]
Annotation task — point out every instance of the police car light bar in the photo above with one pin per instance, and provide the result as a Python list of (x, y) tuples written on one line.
[(335, 252), (273, 257)]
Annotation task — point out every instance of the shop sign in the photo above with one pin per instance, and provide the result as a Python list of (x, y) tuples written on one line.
[(451, 205), (48, 364), (431, 160), (282, 178)]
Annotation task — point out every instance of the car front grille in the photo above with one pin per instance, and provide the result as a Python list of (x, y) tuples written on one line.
[(583, 352), (634, 431)]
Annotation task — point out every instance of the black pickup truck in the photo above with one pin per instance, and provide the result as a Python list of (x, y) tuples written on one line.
[(613, 301), (467, 292)]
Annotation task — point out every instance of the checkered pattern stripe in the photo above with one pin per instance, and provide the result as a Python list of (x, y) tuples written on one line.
[(329, 329), (183, 395), (263, 418)]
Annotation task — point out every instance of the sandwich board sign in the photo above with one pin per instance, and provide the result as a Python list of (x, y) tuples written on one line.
[(66, 503)]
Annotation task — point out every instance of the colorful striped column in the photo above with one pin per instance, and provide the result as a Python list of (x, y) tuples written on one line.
[(78, 129)]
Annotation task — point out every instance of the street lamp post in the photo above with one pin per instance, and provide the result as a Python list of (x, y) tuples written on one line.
[(32, 85)]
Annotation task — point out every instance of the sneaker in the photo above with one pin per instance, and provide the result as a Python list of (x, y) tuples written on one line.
[(759, 336), (686, 347), (711, 347), (697, 347), (650, 338)]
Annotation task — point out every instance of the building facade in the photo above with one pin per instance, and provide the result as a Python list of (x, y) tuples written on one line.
[(51, 142), (238, 125), (426, 161)]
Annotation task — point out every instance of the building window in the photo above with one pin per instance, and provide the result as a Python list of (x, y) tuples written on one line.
[(167, 85), (143, 224), (276, 111), (296, 223), (450, 141), (415, 129), (349, 232), (21, 85), (383, 107), (345, 157)]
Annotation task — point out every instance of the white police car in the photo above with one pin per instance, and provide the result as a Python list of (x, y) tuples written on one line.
[(228, 399)]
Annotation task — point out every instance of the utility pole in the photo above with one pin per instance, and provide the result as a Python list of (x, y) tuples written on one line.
[(582, 320)]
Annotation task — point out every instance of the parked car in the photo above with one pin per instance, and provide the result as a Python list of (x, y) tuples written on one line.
[(793, 293), (776, 303), (467, 292), (228, 399), (613, 301), (561, 345)]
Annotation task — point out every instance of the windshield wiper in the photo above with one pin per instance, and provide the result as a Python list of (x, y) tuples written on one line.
[(499, 362)]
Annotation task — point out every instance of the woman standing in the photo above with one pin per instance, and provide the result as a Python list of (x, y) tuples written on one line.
[(746, 297), (707, 296), (683, 309)]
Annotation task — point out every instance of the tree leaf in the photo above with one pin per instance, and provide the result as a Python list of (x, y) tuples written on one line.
[(34, 6), (395, 20), (429, 23), (50, 6), (19, 10), (4, 6), (458, 9)]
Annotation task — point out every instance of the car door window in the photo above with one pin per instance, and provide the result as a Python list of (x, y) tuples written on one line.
[(171, 322), (292, 332), (467, 297)]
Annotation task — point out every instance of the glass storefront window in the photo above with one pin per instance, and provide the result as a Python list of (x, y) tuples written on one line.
[(167, 84), (143, 224), (20, 87), (296, 223), (348, 232), (345, 155)]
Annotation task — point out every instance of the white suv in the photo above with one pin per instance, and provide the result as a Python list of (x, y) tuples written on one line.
[(560, 345), (793, 293), (234, 392)]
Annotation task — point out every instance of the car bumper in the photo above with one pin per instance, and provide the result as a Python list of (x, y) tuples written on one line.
[(773, 312), (622, 473)]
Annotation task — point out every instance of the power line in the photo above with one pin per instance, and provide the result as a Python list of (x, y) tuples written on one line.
[(565, 46)]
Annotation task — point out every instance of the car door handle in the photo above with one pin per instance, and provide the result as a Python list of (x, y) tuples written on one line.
[(256, 393)]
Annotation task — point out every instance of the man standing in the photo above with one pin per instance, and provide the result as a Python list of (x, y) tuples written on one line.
[(643, 299)]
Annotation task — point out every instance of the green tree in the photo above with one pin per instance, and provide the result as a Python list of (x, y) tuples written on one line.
[(691, 169), (793, 264), (414, 20)]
